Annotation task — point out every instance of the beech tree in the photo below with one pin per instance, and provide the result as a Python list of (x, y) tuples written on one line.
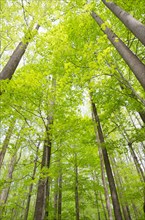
[(56, 162)]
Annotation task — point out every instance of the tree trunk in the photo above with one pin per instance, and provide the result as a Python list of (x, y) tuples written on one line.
[(119, 181), (43, 181), (104, 210), (108, 205), (31, 186), (138, 167), (5, 192), (59, 195), (76, 190), (131, 59), (97, 194), (136, 27), (142, 115), (6, 143), (56, 199), (101, 142), (15, 58)]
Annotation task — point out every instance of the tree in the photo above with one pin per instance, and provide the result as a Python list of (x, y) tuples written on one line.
[(48, 96), (131, 59), (137, 28)]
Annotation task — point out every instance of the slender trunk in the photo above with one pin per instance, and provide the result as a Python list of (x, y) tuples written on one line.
[(97, 204), (136, 212), (14, 60), (104, 210), (101, 142), (136, 162), (119, 182), (108, 205), (5, 192), (6, 143), (142, 115), (136, 27), (31, 186), (128, 85), (56, 200), (94, 176), (59, 195), (76, 190), (129, 57)]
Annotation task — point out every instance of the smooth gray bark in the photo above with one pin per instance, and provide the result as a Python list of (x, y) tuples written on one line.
[(113, 190), (31, 186), (136, 27), (137, 67), (14, 59), (6, 143)]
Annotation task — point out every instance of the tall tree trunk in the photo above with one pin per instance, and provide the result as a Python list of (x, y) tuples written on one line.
[(43, 181), (136, 27), (6, 143), (119, 182), (76, 190), (101, 142), (136, 162), (31, 186), (5, 192), (59, 195), (97, 194), (129, 57), (104, 210), (108, 205), (142, 115), (56, 199), (15, 58)]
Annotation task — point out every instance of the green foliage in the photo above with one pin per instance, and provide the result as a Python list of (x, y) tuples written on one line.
[(68, 59)]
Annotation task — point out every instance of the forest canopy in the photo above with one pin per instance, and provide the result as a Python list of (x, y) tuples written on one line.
[(72, 100)]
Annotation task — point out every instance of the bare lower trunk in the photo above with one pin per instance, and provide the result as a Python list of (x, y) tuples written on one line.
[(76, 190), (59, 195), (136, 27), (136, 162), (42, 185), (6, 143), (104, 210), (142, 115), (119, 182), (31, 187), (40, 206), (56, 200), (137, 67), (5, 192), (100, 138), (108, 205)]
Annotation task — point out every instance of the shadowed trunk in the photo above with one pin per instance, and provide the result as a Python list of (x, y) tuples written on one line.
[(59, 195), (31, 186), (76, 190), (137, 67), (101, 142), (119, 182), (43, 181), (6, 143), (136, 27)]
